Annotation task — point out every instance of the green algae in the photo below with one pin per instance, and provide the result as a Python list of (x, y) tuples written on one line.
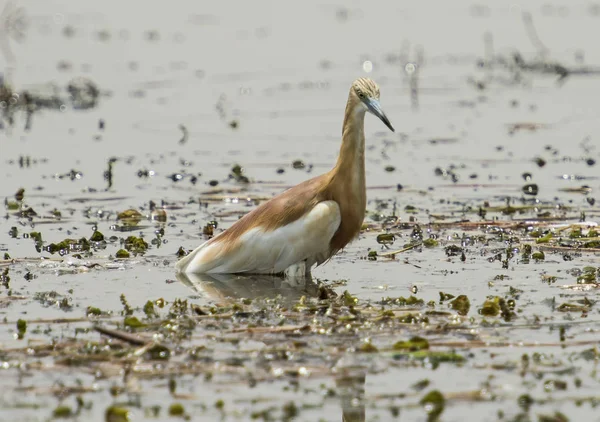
[(127, 309), (385, 239), (461, 305), (430, 243), (117, 414), (130, 217), (402, 301), (149, 310), (62, 412), (437, 357), (347, 299), (136, 245), (97, 237), (445, 296), (434, 404), (93, 311), (133, 322), (544, 239), (289, 411), (367, 347), (176, 410), (122, 254), (496, 305), (68, 245), (412, 345), (159, 352), (37, 236), (453, 250), (538, 256), (556, 417), (21, 328), (412, 319)]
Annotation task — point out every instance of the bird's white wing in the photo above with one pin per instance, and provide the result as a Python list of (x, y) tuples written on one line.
[(260, 251)]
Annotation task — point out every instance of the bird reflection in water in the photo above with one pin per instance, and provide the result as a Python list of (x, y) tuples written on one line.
[(350, 380), (350, 385), (253, 286)]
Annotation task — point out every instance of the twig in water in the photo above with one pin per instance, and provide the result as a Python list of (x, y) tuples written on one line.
[(120, 335), (408, 248), (184, 138)]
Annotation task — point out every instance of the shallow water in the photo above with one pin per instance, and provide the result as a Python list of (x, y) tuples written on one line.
[(282, 72)]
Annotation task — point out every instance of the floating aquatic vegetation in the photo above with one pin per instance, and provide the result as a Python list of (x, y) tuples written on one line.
[(412, 345), (461, 305), (117, 414), (433, 403), (122, 253), (130, 217), (237, 174), (67, 246), (134, 244)]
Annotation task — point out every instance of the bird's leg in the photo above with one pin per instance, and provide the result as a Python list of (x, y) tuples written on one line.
[(295, 270)]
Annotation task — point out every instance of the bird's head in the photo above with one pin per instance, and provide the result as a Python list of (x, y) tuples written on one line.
[(366, 92)]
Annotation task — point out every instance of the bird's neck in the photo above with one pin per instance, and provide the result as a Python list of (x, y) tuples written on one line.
[(351, 160), (348, 175)]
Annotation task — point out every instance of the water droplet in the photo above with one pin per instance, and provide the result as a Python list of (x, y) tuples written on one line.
[(367, 66), (63, 108), (410, 68)]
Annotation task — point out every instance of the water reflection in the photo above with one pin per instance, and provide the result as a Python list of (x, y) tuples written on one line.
[(252, 286), (351, 390), (349, 378)]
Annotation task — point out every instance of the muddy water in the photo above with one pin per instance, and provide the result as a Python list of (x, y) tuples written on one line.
[(280, 73)]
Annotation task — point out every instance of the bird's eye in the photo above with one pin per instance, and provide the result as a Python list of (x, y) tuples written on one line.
[(361, 94)]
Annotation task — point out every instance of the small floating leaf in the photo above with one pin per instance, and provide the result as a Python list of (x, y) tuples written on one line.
[(117, 414), (176, 409), (21, 328), (538, 256), (414, 344), (130, 217), (531, 189), (430, 243), (445, 296), (386, 239), (149, 309), (557, 417), (93, 311), (62, 412), (433, 403), (490, 308), (133, 322), (453, 250), (461, 305), (159, 352), (136, 244), (544, 239), (367, 347), (298, 164)]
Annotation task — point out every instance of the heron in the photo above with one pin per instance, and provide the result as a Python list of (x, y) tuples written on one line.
[(306, 224)]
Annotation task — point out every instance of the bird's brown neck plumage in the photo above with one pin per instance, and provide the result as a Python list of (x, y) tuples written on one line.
[(347, 178)]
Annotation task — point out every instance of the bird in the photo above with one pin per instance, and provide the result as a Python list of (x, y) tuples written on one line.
[(306, 224)]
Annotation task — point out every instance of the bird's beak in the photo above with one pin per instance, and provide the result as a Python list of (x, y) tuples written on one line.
[(375, 108)]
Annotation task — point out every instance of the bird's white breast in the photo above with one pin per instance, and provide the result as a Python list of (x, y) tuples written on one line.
[(273, 251)]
